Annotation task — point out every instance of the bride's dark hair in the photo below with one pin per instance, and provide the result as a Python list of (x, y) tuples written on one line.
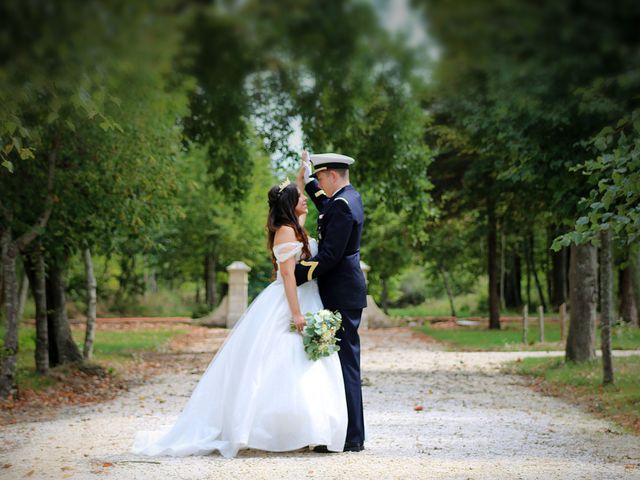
[(282, 211)]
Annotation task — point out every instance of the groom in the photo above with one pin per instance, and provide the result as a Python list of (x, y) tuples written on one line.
[(337, 266)]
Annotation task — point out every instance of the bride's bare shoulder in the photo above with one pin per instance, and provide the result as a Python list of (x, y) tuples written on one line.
[(285, 233)]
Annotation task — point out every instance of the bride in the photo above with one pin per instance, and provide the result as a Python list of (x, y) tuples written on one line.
[(260, 390)]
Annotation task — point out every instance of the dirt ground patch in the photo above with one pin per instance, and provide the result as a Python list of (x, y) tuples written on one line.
[(79, 385), (475, 423)]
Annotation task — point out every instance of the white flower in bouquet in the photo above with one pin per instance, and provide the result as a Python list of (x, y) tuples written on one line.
[(319, 334)]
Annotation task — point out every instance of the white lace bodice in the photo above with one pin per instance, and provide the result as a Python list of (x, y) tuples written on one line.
[(284, 251)]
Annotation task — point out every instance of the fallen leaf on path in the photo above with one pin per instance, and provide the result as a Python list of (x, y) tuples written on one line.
[(418, 408), (107, 464)]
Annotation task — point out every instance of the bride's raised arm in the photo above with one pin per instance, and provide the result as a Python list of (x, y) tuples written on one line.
[(301, 178)]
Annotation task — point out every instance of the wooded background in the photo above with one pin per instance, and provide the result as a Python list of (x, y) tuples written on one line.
[(497, 154)]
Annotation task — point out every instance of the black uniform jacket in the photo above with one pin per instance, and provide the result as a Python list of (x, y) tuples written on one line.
[(337, 264)]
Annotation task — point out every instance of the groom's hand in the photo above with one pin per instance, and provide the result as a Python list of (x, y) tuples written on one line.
[(299, 322)]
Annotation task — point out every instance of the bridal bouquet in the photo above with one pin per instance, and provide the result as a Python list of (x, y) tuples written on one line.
[(319, 334)]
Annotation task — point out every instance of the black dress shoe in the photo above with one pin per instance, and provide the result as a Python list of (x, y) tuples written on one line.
[(353, 447), (322, 449)]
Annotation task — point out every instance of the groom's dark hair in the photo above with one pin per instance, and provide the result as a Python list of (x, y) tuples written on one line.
[(282, 211)]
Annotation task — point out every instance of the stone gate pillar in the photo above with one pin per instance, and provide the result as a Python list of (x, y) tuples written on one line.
[(238, 291), (365, 269), (373, 316)]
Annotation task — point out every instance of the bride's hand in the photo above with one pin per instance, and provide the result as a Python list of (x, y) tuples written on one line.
[(299, 322)]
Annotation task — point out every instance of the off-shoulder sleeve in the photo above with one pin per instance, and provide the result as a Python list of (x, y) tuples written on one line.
[(284, 251)]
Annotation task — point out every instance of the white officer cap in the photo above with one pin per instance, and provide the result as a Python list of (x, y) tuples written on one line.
[(324, 161)]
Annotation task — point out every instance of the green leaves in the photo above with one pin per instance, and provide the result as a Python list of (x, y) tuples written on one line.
[(8, 165), (614, 200), (551, 112), (26, 153)]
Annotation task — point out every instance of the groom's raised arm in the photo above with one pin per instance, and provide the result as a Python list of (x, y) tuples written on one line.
[(339, 224), (318, 197)]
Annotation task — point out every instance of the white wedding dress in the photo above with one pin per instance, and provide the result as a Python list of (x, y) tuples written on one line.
[(261, 390)]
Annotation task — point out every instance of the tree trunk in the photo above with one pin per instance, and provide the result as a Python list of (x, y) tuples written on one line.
[(127, 285), (90, 331), (628, 308), (567, 284), (583, 298), (150, 281), (145, 270), (634, 260), (34, 266), (1, 288), (385, 296), (210, 280), (10, 350), (513, 295), (24, 290), (503, 303), (153, 281), (558, 277), (526, 261), (447, 286), (62, 348), (492, 257), (10, 249), (548, 266), (606, 316), (532, 262)]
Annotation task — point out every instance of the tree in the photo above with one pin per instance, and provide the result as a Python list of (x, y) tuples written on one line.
[(455, 255), (583, 297), (118, 183), (111, 127), (389, 248), (35, 269), (32, 88), (11, 248), (208, 226), (522, 94), (606, 292), (353, 90), (220, 59)]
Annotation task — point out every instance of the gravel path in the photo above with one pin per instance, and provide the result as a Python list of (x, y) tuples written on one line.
[(476, 423)]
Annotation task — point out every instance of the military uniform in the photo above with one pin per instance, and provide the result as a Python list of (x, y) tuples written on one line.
[(341, 282)]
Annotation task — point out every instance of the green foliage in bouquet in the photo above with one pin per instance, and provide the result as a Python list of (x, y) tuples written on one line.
[(319, 334)]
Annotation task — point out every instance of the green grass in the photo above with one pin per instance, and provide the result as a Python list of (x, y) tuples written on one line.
[(466, 305), (583, 383), (111, 349), (509, 338), (438, 308), (164, 303), (114, 345)]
